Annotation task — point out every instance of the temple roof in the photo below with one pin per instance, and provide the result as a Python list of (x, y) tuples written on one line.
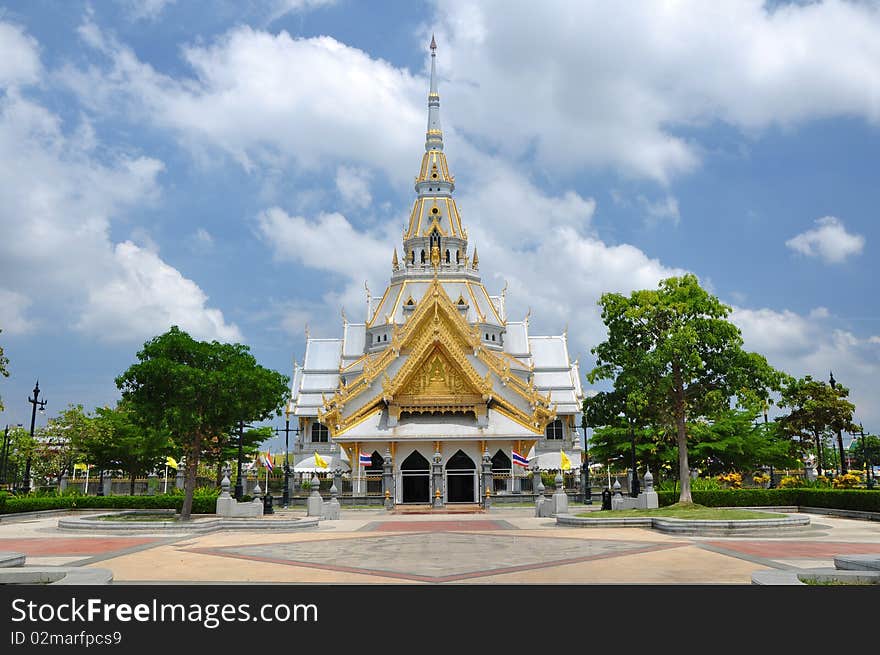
[(494, 368)]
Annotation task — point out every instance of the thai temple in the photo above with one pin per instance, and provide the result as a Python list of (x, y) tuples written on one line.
[(436, 380)]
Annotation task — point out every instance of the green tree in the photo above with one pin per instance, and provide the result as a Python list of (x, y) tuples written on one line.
[(55, 449), (21, 446), (4, 362), (677, 348), (816, 411), (734, 441), (197, 391), (135, 447)]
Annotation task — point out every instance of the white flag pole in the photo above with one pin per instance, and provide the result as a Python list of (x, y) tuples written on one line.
[(86, 492), (165, 491)]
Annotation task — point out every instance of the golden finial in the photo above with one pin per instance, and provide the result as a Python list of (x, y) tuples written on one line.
[(344, 318), (528, 314), (307, 331), (433, 43), (476, 262), (394, 263)]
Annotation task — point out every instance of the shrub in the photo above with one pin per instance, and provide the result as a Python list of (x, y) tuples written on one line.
[(790, 482), (863, 500), (203, 503), (846, 481), (732, 480), (760, 479)]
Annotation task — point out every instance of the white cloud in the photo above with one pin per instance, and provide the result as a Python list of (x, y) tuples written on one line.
[(813, 346), (353, 184), (268, 100), (664, 209), (19, 56), (146, 296), (146, 9), (13, 306), (830, 241), (607, 84), (60, 197)]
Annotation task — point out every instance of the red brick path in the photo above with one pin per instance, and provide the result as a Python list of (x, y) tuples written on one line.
[(36, 547)]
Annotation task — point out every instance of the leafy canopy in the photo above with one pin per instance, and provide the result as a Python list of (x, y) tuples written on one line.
[(197, 391), (673, 355)]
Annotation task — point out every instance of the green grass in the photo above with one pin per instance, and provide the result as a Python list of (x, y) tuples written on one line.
[(690, 512), (138, 517), (815, 582)]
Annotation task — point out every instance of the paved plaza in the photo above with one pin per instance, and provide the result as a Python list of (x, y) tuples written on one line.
[(505, 545)]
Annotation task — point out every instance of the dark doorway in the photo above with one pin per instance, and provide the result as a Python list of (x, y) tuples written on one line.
[(376, 463), (461, 475), (415, 474), (500, 472)]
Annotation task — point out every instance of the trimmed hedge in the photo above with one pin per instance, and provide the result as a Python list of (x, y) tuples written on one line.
[(862, 500), (202, 504)]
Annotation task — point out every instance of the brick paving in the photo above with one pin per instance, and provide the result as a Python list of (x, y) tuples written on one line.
[(56, 545)]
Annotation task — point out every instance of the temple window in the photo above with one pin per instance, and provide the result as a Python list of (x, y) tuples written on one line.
[(423, 256), (447, 256), (320, 433), (554, 430)]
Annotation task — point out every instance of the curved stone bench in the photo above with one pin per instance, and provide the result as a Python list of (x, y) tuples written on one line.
[(776, 577), (56, 575), (94, 523), (667, 525), (8, 559), (868, 562)]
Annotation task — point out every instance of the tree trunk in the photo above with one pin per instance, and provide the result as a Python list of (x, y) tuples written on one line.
[(131, 484), (219, 473), (684, 471), (818, 452), (189, 480)]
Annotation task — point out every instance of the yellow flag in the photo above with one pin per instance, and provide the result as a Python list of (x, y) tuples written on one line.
[(320, 461), (171, 462), (79, 466), (564, 461)]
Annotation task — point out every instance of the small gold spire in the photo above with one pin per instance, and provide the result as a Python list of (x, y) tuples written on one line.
[(433, 43), (476, 262), (394, 263)]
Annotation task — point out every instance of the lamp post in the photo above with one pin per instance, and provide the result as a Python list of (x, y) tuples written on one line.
[(766, 407), (285, 497), (869, 480), (585, 467), (26, 483), (4, 455), (833, 384)]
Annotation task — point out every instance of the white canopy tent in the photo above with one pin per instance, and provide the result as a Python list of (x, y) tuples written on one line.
[(551, 461), (308, 465)]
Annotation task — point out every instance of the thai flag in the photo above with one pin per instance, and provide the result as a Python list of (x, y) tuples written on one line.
[(519, 460), (365, 459), (267, 461)]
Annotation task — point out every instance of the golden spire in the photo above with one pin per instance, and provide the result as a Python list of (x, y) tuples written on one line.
[(394, 263), (476, 262)]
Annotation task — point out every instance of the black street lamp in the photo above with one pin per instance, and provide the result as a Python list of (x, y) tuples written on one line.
[(585, 467), (869, 479), (766, 407), (285, 496), (4, 455), (833, 384), (26, 483)]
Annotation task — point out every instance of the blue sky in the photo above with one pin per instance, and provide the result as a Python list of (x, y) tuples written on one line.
[(242, 168)]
